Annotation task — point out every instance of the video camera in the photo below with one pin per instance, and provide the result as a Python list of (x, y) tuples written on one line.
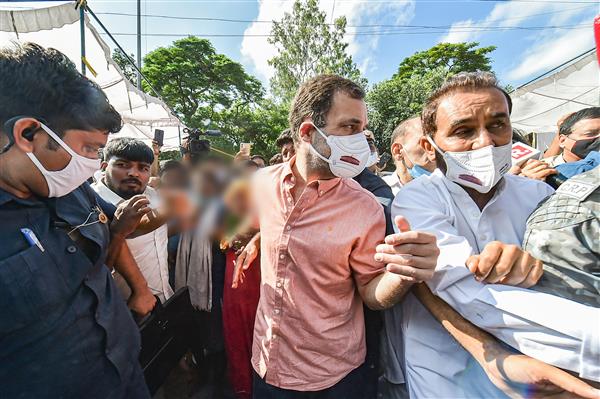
[(196, 146)]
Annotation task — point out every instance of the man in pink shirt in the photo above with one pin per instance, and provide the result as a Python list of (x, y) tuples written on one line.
[(319, 232)]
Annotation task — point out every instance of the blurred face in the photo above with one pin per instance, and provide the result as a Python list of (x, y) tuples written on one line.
[(469, 120), (583, 130), (347, 116), (287, 151), (52, 156), (209, 179), (174, 179), (126, 178)]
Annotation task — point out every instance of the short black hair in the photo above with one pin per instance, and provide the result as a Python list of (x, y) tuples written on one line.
[(43, 83), (284, 138), (258, 156), (587, 113), (128, 148)]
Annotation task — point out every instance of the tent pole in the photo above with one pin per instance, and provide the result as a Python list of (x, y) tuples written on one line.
[(82, 35), (139, 44)]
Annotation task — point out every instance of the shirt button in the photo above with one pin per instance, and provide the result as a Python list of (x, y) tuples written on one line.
[(282, 256), (278, 285), (274, 336), (71, 249), (321, 192), (276, 311), (288, 227)]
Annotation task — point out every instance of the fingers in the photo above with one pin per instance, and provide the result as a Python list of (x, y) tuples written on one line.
[(140, 203), (473, 263), (418, 262), (520, 270), (237, 270), (410, 249), (402, 224), (571, 384), (487, 259), (534, 275), (409, 273), (410, 237), (509, 258)]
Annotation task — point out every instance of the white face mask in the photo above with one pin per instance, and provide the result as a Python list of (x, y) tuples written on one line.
[(349, 154), (479, 169), (78, 170)]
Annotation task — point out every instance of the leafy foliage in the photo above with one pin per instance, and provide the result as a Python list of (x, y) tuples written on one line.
[(197, 82), (453, 57), (307, 46), (394, 100), (128, 70)]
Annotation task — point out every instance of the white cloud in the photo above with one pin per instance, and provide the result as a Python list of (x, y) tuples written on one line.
[(256, 51), (511, 14), (553, 50)]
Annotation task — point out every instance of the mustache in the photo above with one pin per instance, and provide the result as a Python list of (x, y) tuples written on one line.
[(131, 180)]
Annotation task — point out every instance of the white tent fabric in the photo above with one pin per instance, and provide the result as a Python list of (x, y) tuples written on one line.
[(539, 105), (58, 26)]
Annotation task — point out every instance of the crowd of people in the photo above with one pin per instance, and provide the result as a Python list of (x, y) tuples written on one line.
[(313, 273)]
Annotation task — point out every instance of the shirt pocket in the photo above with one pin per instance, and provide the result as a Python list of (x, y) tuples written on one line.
[(30, 289)]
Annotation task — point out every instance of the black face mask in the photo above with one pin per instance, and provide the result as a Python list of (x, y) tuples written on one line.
[(582, 148)]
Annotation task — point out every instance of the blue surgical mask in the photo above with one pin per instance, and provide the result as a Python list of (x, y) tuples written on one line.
[(418, 170)]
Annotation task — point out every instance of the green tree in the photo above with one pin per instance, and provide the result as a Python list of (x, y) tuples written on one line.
[(128, 70), (197, 82), (307, 46), (259, 124), (453, 57), (394, 100)]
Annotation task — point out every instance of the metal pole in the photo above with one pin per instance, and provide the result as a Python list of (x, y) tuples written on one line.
[(82, 35), (139, 43)]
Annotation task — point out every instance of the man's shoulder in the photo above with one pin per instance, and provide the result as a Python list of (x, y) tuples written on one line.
[(359, 194), (422, 188), (374, 184), (526, 187), (583, 187)]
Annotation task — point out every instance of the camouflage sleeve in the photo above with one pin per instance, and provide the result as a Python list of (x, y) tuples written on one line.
[(565, 235)]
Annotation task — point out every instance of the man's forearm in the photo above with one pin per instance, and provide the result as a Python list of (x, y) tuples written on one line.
[(385, 290), (475, 341), (127, 267)]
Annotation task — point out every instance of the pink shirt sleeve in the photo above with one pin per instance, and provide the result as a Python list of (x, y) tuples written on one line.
[(362, 261)]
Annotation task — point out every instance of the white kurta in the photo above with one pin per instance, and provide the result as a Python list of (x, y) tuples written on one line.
[(551, 329), (149, 250)]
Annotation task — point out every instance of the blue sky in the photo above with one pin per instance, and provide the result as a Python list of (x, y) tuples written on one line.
[(523, 52)]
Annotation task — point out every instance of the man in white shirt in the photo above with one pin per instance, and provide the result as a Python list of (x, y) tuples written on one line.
[(410, 159), (474, 208), (126, 164)]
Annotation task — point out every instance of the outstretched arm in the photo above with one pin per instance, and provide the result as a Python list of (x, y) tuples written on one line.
[(514, 374)]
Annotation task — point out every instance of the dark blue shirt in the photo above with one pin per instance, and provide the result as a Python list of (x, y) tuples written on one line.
[(64, 330)]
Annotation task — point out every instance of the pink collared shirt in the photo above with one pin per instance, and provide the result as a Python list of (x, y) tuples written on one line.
[(309, 331)]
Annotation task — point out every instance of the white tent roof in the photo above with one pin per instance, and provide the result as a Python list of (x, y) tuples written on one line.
[(538, 106), (58, 26)]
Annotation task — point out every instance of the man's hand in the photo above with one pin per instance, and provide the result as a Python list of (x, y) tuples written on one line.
[(411, 254), (244, 260), (536, 170), (128, 215), (505, 264), (142, 301), (155, 149), (521, 376)]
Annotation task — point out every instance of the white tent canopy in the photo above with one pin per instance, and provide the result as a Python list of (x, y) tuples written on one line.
[(58, 26), (539, 105)]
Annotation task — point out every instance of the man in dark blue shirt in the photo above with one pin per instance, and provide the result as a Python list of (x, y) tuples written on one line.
[(64, 330)]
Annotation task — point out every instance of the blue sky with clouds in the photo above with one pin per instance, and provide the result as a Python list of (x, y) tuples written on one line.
[(532, 36)]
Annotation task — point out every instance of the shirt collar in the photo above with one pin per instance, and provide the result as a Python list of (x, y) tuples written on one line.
[(6, 197), (322, 185), (106, 193)]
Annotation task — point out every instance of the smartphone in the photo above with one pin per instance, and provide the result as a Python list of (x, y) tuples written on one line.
[(159, 136), (383, 159), (245, 148)]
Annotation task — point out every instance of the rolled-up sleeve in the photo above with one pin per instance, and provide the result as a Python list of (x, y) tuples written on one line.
[(362, 258), (549, 328)]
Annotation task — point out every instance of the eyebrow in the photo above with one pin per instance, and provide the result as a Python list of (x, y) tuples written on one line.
[(459, 122), (499, 115), (353, 121)]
